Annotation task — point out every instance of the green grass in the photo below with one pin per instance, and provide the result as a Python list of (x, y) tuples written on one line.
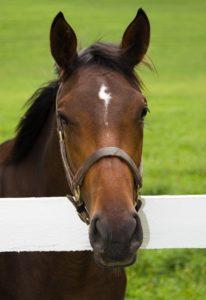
[(175, 131)]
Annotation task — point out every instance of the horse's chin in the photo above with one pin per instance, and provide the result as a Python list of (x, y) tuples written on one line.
[(113, 264)]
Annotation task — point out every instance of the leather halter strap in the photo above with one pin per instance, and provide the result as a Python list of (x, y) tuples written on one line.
[(75, 180), (102, 153)]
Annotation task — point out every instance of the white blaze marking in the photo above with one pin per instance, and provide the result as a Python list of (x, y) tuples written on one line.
[(106, 97)]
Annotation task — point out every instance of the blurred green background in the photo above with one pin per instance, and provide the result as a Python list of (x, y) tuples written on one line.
[(175, 131)]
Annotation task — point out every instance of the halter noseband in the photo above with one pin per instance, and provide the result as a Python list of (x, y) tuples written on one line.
[(75, 180)]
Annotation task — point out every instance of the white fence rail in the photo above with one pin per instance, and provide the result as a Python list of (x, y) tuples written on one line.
[(51, 224)]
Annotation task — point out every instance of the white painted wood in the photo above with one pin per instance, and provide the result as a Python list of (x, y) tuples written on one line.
[(174, 221), (51, 224)]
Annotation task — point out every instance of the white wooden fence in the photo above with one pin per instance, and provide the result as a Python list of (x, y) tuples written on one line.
[(51, 224)]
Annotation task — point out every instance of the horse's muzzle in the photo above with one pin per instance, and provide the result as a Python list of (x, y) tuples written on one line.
[(115, 240)]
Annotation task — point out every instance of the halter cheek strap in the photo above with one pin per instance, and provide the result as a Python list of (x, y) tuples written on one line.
[(75, 180)]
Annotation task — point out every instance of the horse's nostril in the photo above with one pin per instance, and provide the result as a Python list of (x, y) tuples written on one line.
[(93, 226), (96, 235), (137, 236), (101, 230)]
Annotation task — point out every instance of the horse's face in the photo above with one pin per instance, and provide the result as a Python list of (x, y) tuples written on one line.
[(100, 107)]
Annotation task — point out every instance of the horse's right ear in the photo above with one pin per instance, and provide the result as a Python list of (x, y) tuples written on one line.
[(63, 42)]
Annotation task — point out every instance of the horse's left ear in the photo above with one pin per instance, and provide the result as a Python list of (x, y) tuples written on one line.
[(135, 41), (63, 42)]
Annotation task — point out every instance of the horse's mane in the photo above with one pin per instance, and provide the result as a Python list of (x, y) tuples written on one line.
[(43, 100), (30, 125)]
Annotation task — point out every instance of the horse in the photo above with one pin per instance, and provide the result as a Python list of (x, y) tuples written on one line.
[(82, 135)]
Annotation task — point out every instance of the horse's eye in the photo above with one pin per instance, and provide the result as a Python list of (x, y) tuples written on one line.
[(64, 119), (144, 113)]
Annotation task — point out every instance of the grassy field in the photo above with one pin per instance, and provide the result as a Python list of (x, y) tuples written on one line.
[(175, 131)]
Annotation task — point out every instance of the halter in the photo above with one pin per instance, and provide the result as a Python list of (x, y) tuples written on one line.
[(75, 180)]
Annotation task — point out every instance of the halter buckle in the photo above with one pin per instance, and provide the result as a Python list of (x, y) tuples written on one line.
[(81, 209), (77, 193), (138, 203), (79, 206), (60, 135), (84, 217)]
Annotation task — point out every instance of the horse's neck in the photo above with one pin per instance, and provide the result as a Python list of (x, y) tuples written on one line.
[(41, 173), (50, 167)]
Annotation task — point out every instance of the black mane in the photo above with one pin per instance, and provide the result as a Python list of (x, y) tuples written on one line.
[(43, 100), (29, 127)]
